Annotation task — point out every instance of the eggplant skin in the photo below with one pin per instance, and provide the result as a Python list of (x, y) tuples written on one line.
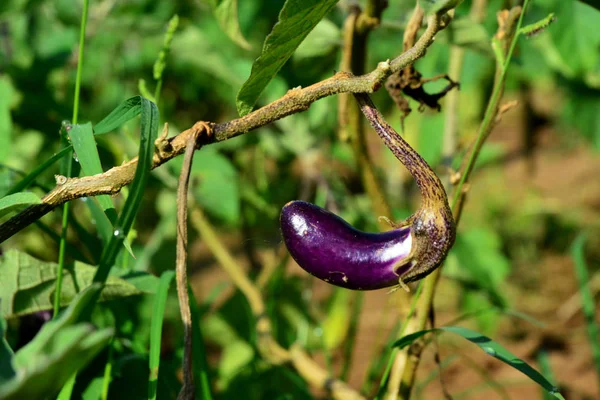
[(329, 248)]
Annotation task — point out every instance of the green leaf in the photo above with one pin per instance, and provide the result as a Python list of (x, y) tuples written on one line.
[(28, 284), (573, 45), (156, 330), (226, 13), (587, 298), (296, 20), (492, 348), (61, 348), (438, 6), (16, 200), (149, 131)]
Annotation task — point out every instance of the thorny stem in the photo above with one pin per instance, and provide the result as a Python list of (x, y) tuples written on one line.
[(432, 191), (296, 100), (187, 390), (270, 350), (426, 302)]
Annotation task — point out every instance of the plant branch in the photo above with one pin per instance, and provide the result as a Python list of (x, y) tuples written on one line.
[(187, 390), (296, 100)]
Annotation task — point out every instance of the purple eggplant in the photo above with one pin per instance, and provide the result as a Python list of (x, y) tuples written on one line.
[(329, 248)]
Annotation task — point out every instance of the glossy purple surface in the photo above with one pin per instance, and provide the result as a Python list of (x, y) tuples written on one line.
[(329, 248)]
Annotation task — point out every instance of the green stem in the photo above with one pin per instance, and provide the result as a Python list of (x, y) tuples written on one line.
[(157, 90), (69, 164), (490, 112), (80, 60)]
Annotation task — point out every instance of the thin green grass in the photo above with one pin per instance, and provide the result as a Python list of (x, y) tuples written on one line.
[(31, 177), (107, 371), (67, 390), (160, 300), (67, 165), (546, 369)]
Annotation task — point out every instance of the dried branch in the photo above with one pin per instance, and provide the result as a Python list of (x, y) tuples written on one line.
[(296, 100), (187, 390)]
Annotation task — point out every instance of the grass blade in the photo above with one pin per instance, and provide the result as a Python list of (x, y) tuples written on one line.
[(492, 348), (15, 200), (546, 368), (156, 330), (84, 145), (129, 109), (149, 130), (30, 178), (108, 371), (67, 389), (587, 299)]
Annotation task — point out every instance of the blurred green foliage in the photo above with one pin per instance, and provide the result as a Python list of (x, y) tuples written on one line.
[(243, 182)]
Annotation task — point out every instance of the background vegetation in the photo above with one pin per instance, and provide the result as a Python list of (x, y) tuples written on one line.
[(524, 269)]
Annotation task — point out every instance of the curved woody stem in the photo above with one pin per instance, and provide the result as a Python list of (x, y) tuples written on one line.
[(432, 225)]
